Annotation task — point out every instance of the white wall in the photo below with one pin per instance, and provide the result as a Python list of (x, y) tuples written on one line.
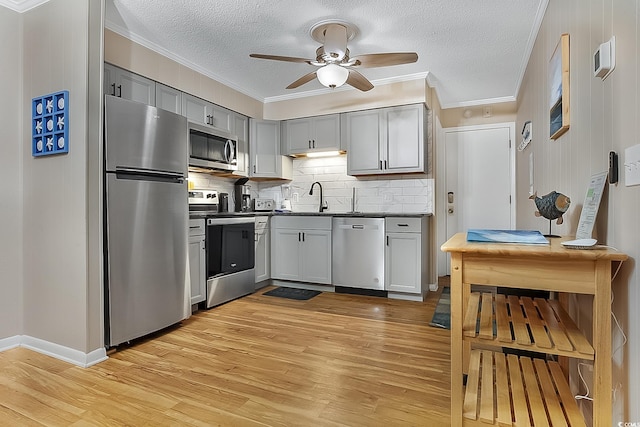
[(10, 174), (604, 116), (61, 296)]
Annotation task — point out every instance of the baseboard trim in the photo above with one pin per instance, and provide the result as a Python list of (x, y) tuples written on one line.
[(406, 297), (9, 343), (56, 351), (433, 287)]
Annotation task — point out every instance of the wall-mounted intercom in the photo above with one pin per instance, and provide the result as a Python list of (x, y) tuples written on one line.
[(604, 59)]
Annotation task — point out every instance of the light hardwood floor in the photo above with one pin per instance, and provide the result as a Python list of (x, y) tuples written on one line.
[(334, 360)]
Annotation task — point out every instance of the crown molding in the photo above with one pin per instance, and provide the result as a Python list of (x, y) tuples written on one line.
[(124, 32), (21, 5), (323, 91)]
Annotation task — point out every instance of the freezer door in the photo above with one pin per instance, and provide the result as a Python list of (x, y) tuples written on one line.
[(147, 256), (139, 136)]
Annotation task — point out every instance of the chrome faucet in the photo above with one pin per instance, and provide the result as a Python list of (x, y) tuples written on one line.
[(322, 205)]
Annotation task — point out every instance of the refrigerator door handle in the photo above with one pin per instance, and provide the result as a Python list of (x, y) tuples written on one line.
[(176, 176)]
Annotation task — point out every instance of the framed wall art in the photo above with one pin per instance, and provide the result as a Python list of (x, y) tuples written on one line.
[(559, 89), (50, 124)]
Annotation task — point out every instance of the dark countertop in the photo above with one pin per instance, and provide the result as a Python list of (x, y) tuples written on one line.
[(330, 214)]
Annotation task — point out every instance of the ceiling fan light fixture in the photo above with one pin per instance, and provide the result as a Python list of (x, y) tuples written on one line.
[(332, 75)]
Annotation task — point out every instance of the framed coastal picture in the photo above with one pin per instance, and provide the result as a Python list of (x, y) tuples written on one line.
[(559, 89)]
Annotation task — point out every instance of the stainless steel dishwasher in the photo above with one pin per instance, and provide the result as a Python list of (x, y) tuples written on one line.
[(358, 252)]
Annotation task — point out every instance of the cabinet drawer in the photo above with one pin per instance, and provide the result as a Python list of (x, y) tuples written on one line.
[(196, 227), (262, 223), (403, 225), (302, 222)]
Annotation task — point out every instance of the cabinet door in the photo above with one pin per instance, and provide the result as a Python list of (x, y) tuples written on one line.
[(222, 118), (286, 265), (168, 98), (316, 256), (109, 83), (404, 142), (298, 136), (135, 87), (241, 130), (128, 85), (363, 143), (197, 259), (196, 109), (265, 148), (403, 262), (326, 132), (263, 260)]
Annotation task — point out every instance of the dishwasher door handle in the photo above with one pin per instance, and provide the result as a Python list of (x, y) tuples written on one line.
[(358, 226)]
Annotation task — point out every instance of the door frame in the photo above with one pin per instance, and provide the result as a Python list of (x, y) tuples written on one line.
[(441, 184)]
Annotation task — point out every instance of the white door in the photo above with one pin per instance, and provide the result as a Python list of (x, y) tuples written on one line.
[(479, 179)]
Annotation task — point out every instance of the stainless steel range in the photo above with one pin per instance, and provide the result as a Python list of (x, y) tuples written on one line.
[(230, 249)]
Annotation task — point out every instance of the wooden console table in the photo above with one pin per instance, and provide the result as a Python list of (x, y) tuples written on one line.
[(507, 389)]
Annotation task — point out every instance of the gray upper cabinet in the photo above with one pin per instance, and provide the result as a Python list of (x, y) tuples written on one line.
[(128, 85), (320, 133), (168, 98), (386, 140), (201, 111), (241, 130), (223, 118), (197, 109), (265, 158)]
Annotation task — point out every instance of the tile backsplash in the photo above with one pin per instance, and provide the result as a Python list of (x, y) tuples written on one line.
[(392, 193)]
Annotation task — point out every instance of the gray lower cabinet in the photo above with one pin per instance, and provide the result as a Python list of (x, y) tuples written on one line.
[(197, 260), (263, 251), (301, 248), (406, 260)]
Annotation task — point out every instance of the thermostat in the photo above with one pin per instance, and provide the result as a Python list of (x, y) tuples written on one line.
[(604, 59)]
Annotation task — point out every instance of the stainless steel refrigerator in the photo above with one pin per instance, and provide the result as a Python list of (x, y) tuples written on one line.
[(146, 219)]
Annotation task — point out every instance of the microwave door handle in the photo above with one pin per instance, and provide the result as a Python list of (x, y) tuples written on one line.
[(234, 151), (230, 156)]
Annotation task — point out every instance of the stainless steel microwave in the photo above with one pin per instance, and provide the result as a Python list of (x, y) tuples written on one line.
[(212, 148)]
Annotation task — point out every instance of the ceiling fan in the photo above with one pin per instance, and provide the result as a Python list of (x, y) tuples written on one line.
[(335, 67)]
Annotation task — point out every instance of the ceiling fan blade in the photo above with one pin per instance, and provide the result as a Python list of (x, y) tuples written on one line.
[(280, 58), (302, 80), (335, 41), (359, 81), (373, 60)]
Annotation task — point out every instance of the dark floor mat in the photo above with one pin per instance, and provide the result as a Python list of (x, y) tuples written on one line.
[(292, 293)]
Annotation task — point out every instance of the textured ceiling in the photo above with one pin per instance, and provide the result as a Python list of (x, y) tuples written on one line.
[(474, 51)]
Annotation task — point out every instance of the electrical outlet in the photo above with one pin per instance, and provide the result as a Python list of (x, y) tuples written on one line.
[(296, 197)]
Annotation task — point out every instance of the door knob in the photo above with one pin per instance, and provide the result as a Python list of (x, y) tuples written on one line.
[(450, 210)]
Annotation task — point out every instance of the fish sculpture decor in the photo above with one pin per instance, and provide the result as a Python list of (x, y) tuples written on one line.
[(552, 206)]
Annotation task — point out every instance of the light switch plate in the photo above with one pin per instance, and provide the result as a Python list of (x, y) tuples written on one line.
[(632, 166)]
